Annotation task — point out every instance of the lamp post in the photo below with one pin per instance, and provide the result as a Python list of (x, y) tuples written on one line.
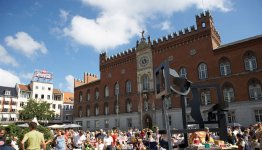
[(141, 105)]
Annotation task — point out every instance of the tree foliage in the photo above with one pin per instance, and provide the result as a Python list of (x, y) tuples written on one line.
[(40, 110)]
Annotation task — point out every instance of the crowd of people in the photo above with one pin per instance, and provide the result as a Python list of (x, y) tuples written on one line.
[(131, 139)]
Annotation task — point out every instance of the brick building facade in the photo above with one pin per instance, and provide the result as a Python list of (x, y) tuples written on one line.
[(124, 95)]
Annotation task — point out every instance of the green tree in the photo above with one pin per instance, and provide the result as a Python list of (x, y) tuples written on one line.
[(40, 110)]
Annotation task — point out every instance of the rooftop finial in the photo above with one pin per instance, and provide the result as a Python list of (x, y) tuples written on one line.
[(143, 34)]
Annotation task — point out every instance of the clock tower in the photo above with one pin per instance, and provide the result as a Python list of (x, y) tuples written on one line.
[(144, 61), (145, 82)]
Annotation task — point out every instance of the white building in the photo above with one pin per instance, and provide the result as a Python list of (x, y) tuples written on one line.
[(42, 91), (8, 104)]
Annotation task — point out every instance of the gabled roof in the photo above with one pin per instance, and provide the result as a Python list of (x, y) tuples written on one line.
[(239, 41), (68, 97), (3, 89), (24, 87)]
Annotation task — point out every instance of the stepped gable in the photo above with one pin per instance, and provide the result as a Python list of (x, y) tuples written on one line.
[(88, 78)]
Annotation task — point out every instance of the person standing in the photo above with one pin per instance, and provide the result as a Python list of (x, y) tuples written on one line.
[(259, 134), (2, 138), (108, 140), (60, 141), (35, 138)]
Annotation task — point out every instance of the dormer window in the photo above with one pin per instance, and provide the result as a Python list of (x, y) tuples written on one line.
[(7, 92)]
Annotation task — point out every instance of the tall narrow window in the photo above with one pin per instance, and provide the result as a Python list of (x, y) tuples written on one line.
[(228, 93), (106, 109), (87, 110), (96, 110), (145, 82), (231, 117), (87, 95), (87, 124), (117, 88), (250, 63), (129, 106), (183, 72), (106, 91), (97, 124), (129, 122), (146, 105), (80, 112), (116, 107), (255, 90), (96, 94), (258, 115), (106, 123), (205, 97), (202, 71), (117, 122), (225, 68), (80, 96), (128, 86)]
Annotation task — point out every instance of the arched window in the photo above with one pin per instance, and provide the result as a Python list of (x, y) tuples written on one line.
[(128, 106), (145, 82), (202, 71), (254, 88), (117, 88), (106, 109), (80, 111), (106, 91), (228, 93), (96, 110), (117, 109), (250, 61), (205, 97), (87, 110), (225, 68), (88, 95), (96, 94), (183, 72), (128, 86), (80, 96), (146, 105)]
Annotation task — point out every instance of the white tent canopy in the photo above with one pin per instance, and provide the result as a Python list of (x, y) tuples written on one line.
[(72, 126), (55, 126)]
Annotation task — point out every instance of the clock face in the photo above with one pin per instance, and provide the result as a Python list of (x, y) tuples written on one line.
[(144, 60)]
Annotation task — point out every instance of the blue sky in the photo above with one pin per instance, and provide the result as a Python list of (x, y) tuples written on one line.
[(65, 37)]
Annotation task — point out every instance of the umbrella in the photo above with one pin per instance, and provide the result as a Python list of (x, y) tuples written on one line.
[(55, 126), (72, 126), (25, 125)]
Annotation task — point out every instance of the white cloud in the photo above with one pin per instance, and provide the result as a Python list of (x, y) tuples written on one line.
[(105, 32), (8, 79), (6, 58), (120, 20), (63, 15), (166, 25), (25, 44), (69, 85), (27, 76)]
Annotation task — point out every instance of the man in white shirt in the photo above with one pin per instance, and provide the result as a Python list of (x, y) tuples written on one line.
[(108, 140), (79, 140)]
